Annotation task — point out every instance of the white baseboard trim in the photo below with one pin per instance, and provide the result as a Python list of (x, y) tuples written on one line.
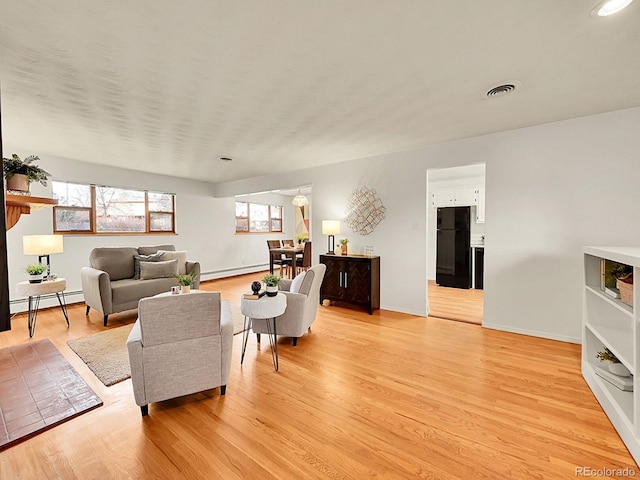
[(403, 310), (532, 333)]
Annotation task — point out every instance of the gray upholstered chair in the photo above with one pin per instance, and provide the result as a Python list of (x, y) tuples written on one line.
[(180, 344), (301, 305)]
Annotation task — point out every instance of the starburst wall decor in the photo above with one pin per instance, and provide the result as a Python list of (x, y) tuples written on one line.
[(365, 210)]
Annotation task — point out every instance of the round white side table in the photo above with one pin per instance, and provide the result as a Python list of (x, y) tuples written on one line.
[(35, 290), (267, 308)]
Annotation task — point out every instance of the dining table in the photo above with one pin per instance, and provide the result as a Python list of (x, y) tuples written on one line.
[(288, 252)]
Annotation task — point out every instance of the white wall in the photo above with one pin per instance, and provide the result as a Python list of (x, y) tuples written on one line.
[(205, 227), (550, 190)]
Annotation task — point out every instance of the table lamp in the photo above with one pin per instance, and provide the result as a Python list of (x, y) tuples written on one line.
[(331, 228), (43, 246)]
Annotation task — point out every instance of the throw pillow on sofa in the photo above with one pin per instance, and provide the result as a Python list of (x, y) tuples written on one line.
[(164, 269), (155, 257), (180, 256)]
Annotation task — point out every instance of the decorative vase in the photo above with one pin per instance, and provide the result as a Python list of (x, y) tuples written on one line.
[(272, 291), (343, 249), (255, 287), (619, 369), (36, 278), (185, 288), (18, 182)]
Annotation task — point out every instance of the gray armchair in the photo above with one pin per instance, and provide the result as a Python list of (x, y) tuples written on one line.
[(180, 344), (301, 306)]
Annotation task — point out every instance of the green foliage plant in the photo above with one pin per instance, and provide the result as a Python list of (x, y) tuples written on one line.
[(15, 165), (271, 280), (35, 269), (185, 279)]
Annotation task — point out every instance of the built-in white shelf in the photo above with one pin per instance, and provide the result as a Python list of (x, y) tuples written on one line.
[(608, 322)]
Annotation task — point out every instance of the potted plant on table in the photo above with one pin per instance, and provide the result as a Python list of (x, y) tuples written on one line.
[(20, 173), (300, 239), (343, 245), (36, 272), (271, 282), (615, 366), (185, 280)]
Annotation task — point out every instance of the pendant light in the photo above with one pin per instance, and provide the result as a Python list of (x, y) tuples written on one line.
[(300, 200)]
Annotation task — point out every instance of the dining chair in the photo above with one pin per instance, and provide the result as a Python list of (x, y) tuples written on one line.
[(278, 259), (304, 263)]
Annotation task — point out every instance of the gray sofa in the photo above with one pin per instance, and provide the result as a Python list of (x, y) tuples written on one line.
[(110, 284)]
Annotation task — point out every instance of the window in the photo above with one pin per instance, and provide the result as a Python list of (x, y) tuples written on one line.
[(257, 218), (101, 209)]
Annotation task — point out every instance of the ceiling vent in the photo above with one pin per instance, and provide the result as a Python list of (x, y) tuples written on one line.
[(501, 90)]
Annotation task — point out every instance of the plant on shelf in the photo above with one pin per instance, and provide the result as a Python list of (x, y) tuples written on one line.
[(615, 366), (606, 355), (20, 173), (35, 271), (271, 282), (185, 280)]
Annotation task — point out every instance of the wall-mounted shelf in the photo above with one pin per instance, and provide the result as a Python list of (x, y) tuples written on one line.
[(24, 204)]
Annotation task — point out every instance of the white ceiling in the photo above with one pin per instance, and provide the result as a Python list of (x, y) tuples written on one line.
[(280, 85)]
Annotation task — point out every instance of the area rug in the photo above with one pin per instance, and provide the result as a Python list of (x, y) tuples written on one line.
[(40, 389), (106, 354)]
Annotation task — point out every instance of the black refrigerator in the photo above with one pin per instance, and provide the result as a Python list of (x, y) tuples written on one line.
[(453, 247)]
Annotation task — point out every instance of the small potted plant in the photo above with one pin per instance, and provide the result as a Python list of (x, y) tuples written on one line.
[(185, 280), (20, 173), (343, 245), (271, 282), (36, 272), (615, 366), (300, 239)]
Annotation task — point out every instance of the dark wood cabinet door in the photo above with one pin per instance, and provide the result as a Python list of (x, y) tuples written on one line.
[(357, 281), (332, 282)]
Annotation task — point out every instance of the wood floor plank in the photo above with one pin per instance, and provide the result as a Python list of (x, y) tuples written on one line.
[(460, 304), (383, 395)]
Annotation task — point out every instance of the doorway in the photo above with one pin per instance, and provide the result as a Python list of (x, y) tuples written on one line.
[(459, 191)]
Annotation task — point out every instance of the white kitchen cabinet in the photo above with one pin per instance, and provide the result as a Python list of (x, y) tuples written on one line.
[(461, 197), (479, 194), (607, 322)]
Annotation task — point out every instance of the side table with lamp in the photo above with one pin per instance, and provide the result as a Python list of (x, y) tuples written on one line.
[(43, 246)]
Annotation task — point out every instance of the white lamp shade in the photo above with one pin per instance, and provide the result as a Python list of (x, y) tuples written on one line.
[(300, 200), (42, 244), (330, 227)]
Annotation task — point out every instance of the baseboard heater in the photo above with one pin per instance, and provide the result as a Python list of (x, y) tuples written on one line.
[(72, 293)]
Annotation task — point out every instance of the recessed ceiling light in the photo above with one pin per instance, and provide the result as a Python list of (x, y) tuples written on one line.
[(604, 9), (225, 159)]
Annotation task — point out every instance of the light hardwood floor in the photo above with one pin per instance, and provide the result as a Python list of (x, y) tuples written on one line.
[(460, 304), (388, 395)]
